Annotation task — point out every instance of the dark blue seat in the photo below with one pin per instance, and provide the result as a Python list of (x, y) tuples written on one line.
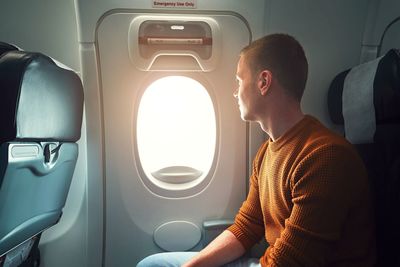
[(41, 107), (372, 122)]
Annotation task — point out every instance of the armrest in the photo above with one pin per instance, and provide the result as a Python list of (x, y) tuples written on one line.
[(213, 228)]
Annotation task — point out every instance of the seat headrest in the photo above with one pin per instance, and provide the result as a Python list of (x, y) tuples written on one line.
[(39, 100), (367, 96)]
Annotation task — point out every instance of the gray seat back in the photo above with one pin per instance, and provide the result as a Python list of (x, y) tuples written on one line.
[(41, 107)]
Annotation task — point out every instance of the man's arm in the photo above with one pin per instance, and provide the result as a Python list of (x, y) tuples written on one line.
[(328, 187), (248, 227), (223, 249)]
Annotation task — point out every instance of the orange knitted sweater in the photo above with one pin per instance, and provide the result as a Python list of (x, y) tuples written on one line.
[(309, 196)]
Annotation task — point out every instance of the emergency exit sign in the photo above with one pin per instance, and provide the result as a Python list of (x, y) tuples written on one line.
[(174, 4)]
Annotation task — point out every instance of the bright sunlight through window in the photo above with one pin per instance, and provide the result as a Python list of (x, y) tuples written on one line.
[(176, 130)]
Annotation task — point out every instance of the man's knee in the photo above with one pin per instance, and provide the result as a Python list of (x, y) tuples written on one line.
[(153, 260)]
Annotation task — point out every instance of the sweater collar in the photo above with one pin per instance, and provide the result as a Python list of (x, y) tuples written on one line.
[(297, 129)]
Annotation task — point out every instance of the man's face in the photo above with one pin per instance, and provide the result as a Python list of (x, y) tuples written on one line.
[(246, 93)]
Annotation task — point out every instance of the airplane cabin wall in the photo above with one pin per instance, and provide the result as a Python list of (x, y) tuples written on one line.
[(336, 35), (380, 14), (333, 33), (330, 32), (42, 26)]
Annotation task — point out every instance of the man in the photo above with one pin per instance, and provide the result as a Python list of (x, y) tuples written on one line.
[(309, 194)]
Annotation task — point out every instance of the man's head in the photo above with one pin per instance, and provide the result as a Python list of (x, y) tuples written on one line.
[(283, 57)]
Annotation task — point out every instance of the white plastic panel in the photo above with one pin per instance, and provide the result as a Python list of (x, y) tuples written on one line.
[(177, 236), (134, 208)]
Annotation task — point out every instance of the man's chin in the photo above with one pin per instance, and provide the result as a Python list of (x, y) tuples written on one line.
[(245, 117)]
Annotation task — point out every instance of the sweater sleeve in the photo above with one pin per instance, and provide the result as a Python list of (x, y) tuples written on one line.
[(325, 185), (248, 227)]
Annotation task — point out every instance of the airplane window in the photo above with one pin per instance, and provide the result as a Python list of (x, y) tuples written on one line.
[(176, 131)]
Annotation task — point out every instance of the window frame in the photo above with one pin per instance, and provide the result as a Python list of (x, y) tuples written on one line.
[(162, 188)]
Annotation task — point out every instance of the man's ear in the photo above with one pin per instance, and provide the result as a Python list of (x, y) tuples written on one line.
[(264, 82)]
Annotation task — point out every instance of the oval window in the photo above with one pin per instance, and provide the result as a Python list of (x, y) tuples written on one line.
[(176, 131)]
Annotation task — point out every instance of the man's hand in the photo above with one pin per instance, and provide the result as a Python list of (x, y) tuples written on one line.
[(223, 249)]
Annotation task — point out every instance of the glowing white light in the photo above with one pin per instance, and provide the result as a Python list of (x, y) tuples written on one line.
[(176, 126), (177, 27)]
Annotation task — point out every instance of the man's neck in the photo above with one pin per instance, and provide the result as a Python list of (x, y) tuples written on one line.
[(281, 120)]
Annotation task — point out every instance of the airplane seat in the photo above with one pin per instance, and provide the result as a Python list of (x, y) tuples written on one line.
[(366, 101), (5, 47), (41, 108)]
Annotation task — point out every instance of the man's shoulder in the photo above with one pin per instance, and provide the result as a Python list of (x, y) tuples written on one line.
[(319, 134), (320, 138)]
